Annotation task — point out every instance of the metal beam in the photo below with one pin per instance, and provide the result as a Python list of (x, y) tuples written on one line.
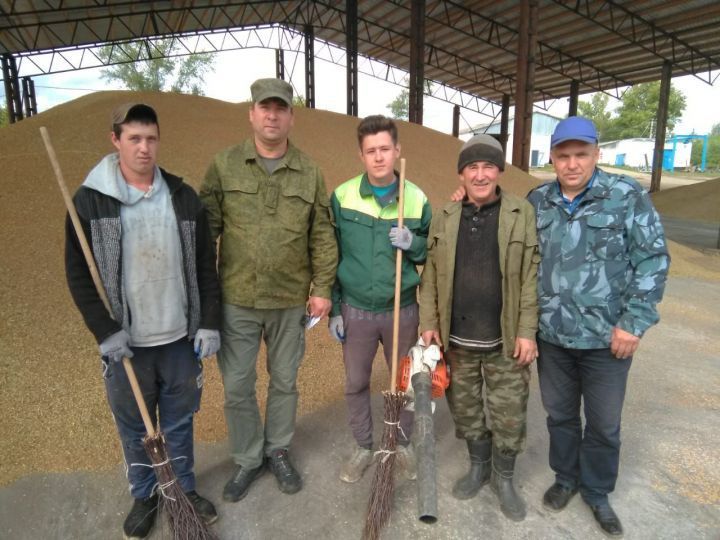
[(504, 123), (351, 64), (456, 121), (280, 64), (417, 61), (29, 101), (663, 101), (522, 129), (643, 33), (574, 95), (309, 66), (504, 37), (13, 94)]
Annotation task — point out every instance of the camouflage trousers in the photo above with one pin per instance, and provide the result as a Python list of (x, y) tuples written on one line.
[(506, 396)]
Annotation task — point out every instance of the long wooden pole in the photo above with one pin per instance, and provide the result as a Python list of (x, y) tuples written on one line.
[(94, 273), (398, 278)]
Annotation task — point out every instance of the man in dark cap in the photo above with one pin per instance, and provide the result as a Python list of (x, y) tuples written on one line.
[(150, 237), (602, 273), (478, 299), (268, 203)]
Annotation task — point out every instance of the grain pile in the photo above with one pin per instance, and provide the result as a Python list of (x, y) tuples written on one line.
[(55, 417), (700, 202)]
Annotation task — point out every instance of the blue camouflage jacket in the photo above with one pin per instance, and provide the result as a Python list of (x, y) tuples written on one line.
[(602, 266)]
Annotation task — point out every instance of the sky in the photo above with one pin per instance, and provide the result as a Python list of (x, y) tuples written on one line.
[(236, 70)]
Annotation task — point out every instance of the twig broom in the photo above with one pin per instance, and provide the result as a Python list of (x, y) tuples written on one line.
[(185, 523), (383, 485)]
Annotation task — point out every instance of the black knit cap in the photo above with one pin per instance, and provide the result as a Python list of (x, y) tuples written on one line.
[(481, 148)]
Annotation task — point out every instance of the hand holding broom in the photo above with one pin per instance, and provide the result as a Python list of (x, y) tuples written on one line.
[(184, 520)]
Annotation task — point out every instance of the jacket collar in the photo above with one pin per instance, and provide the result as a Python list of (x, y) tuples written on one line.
[(291, 159)]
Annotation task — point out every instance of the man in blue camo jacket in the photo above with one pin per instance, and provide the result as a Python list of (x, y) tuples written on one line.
[(604, 262)]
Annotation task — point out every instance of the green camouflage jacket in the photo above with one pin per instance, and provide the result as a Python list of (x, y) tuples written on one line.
[(602, 266), (276, 232)]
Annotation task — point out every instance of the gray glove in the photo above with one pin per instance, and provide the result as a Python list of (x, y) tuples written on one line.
[(207, 343), (337, 328), (116, 347), (401, 238)]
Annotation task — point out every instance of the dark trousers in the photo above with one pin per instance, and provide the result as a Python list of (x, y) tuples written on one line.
[(364, 330), (587, 460), (170, 378)]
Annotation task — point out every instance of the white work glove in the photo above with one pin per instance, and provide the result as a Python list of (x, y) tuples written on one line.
[(116, 347), (401, 238), (336, 326), (207, 343)]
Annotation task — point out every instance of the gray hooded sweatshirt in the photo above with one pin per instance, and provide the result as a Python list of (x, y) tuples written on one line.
[(152, 283)]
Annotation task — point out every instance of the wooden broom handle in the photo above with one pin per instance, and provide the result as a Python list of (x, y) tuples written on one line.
[(94, 273), (398, 279)]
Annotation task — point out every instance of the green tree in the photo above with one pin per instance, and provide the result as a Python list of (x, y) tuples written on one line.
[(3, 116), (715, 130), (158, 73), (596, 110), (713, 151), (399, 107), (637, 115)]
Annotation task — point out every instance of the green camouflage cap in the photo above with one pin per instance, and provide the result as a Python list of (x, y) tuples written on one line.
[(263, 89)]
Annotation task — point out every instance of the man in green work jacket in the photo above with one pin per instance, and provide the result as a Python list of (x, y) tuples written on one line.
[(478, 298), (268, 202), (366, 214)]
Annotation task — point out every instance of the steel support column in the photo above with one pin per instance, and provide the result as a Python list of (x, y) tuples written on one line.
[(29, 101), (309, 66), (522, 128), (351, 48), (417, 61), (456, 121), (662, 115), (504, 123), (574, 95), (13, 94), (280, 64)]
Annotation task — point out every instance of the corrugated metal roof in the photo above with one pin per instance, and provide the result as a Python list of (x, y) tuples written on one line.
[(470, 45)]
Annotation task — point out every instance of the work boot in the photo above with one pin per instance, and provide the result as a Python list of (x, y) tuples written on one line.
[(139, 522), (407, 461), (607, 519), (287, 477), (479, 474), (239, 483), (354, 467), (557, 497), (204, 508), (501, 482)]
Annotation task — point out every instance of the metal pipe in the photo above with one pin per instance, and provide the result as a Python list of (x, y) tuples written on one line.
[(424, 442)]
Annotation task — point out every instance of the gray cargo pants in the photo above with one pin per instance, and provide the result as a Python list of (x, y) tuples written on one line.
[(283, 331), (363, 331)]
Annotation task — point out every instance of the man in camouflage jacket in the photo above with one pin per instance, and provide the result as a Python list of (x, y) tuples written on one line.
[(602, 273), (267, 202)]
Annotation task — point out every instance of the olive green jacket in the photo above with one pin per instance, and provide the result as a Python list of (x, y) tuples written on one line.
[(518, 246), (276, 232)]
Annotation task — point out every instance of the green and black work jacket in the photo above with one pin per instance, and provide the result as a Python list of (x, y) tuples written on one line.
[(366, 268)]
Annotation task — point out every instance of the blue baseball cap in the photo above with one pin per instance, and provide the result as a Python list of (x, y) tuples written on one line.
[(574, 128)]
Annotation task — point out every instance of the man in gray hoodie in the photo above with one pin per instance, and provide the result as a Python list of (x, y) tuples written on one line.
[(150, 238)]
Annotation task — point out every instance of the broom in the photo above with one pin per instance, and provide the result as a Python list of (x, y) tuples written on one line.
[(383, 484), (184, 520)]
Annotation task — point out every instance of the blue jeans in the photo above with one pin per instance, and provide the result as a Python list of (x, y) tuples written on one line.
[(588, 461), (170, 378)]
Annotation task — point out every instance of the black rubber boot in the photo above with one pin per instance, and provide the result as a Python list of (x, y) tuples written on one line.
[(501, 482), (479, 474)]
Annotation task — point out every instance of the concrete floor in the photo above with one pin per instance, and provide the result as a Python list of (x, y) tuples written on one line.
[(669, 485)]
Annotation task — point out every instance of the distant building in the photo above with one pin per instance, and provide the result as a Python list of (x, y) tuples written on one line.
[(543, 125), (638, 153)]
